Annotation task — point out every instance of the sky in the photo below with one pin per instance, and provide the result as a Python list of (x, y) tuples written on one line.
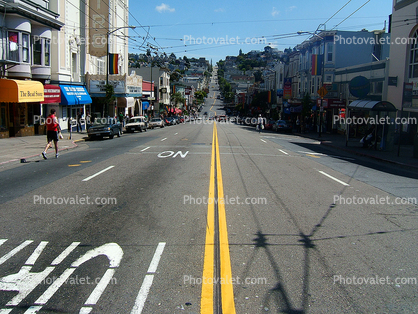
[(215, 29)]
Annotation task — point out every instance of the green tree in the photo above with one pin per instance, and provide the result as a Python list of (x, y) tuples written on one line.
[(177, 98)]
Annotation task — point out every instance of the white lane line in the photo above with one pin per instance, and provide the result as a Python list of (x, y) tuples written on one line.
[(283, 152), (54, 287), (2, 241), (100, 288), (156, 259), (335, 179), (147, 283), (33, 310), (142, 295), (32, 259), (163, 139), (95, 175), (65, 253), (175, 133), (15, 251), (263, 140), (145, 148)]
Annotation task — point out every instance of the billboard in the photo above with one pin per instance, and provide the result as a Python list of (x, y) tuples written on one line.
[(99, 26)]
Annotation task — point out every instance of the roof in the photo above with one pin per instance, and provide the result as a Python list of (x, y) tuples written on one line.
[(372, 105)]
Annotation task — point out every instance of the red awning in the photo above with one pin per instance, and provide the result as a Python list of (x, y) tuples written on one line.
[(52, 94)]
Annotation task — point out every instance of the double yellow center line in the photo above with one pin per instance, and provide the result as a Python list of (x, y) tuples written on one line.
[(216, 239)]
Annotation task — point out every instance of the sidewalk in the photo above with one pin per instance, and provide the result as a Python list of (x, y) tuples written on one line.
[(30, 147), (354, 146)]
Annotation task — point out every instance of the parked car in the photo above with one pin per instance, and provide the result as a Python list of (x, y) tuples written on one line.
[(269, 125), (222, 118), (156, 123), (281, 126), (138, 123), (105, 127), (169, 121)]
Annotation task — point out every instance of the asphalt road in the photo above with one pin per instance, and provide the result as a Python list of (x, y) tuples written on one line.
[(289, 237)]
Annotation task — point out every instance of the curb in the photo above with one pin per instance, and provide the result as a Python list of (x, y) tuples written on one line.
[(369, 156), (329, 144), (33, 156)]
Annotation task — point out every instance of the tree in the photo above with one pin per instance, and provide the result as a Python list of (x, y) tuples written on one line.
[(175, 76), (177, 98)]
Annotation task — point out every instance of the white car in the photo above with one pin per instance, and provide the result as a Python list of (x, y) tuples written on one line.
[(156, 123), (138, 123)]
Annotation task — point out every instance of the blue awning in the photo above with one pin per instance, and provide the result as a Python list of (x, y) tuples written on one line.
[(145, 105), (74, 95)]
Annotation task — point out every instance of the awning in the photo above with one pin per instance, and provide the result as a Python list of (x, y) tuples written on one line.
[(52, 94), (145, 105), (74, 95), (21, 91), (372, 105), (126, 102)]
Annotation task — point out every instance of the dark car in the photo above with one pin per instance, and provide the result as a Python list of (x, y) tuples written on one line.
[(282, 126), (105, 127), (269, 125), (169, 121)]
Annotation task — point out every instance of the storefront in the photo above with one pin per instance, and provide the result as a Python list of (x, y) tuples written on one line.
[(20, 102), (127, 93), (52, 99), (74, 100)]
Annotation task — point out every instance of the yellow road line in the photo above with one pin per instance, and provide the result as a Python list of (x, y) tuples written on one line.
[(227, 290), (206, 302)]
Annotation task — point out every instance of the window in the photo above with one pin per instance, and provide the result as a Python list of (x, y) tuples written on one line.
[(25, 47), (41, 51), (37, 51), (47, 52), (413, 57), (101, 67), (330, 48), (13, 38), (74, 65)]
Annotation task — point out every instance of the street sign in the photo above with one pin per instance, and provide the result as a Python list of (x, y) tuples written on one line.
[(322, 91)]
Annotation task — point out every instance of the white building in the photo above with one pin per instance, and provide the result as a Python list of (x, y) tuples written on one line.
[(403, 64)]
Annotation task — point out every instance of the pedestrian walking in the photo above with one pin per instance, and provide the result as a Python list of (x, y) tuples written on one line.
[(260, 124), (52, 130), (79, 122)]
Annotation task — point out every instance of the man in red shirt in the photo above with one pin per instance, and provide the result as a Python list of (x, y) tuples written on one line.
[(52, 130)]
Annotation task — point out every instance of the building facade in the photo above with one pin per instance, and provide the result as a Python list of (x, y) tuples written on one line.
[(26, 62)]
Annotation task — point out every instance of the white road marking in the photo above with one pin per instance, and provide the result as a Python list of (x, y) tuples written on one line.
[(175, 133), (145, 148), (283, 152), (142, 295), (156, 259), (65, 253), (15, 251), (95, 175), (55, 286), (2, 241), (335, 179), (85, 310), (311, 153), (263, 140), (100, 288), (147, 283), (5, 311), (32, 259), (33, 310), (163, 139)]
